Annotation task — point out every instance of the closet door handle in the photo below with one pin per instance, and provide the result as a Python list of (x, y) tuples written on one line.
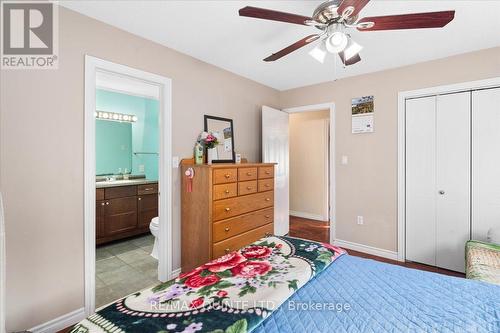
[(441, 192)]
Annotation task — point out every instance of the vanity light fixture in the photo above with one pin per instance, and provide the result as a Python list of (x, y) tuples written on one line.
[(113, 116)]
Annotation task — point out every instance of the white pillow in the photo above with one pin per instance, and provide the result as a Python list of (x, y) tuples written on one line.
[(494, 235)]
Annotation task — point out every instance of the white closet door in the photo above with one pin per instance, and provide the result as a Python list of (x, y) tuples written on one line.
[(421, 180), (453, 179), (486, 162)]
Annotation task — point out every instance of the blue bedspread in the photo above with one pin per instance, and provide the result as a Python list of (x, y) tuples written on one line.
[(379, 297)]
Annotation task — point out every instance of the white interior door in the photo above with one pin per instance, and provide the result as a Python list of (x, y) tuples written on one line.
[(275, 149), (452, 179), (485, 162), (421, 180)]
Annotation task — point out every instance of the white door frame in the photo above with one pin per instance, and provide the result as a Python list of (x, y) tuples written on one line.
[(92, 66), (331, 196), (402, 97)]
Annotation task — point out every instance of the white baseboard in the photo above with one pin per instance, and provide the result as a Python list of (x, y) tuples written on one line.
[(367, 249), (175, 273), (308, 215), (61, 322)]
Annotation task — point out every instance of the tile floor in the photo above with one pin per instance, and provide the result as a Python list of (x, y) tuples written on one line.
[(124, 267)]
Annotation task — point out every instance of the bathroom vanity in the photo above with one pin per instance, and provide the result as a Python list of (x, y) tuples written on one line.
[(124, 208)]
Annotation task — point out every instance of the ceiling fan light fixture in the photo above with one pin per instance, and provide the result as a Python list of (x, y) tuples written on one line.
[(352, 49), (319, 52), (337, 42)]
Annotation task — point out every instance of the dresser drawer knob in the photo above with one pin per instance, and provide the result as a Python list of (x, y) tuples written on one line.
[(227, 209), (268, 216), (227, 175), (226, 191), (249, 173), (102, 203), (249, 188), (267, 185), (227, 250), (139, 199), (268, 199), (226, 229), (268, 172), (107, 203)]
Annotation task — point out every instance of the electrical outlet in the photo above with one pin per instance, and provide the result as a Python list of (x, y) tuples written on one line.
[(141, 167), (345, 160), (175, 162), (360, 220)]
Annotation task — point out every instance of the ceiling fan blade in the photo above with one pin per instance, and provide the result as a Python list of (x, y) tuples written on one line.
[(291, 48), (351, 61), (356, 4), (274, 15), (407, 21)]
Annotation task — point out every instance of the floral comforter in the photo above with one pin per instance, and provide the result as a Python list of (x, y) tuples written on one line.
[(232, 294)]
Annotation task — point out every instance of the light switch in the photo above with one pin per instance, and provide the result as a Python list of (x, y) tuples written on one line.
[(175, 162), (360, 220), (345, 160), (141, 167)]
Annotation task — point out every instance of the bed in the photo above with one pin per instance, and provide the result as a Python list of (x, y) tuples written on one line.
[(308, 287)]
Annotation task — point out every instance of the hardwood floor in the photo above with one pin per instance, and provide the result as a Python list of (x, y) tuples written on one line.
[(320, 231)]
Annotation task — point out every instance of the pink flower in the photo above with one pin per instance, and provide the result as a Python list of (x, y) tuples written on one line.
[(222, 293), (256, 252), (279, 246), (225, 262), (249, 269), (191, 273), (197, 302), (197, 281)]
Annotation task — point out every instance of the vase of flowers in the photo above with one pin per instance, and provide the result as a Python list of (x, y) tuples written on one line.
[(209, 141)]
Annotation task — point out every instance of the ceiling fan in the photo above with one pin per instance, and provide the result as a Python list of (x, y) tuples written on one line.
[(335, 17)]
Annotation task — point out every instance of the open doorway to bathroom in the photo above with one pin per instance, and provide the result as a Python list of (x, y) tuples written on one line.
[(127, 150), (128, 178)]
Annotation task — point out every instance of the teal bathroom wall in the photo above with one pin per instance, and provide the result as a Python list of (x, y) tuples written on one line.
[(145, 131)]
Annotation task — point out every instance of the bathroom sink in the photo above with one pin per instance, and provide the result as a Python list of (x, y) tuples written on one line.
[(123, 182)]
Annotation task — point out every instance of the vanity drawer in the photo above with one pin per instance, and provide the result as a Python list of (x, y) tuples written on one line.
[(222, 176), (99, 194), (266, 184), (120, 192), (247, 174), (237, 242), (247, 187), (224, 191), (223, 209), (234, 226), (266, 172), (147, 189)]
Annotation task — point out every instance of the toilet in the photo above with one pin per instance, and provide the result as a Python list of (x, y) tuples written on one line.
[(154, 226)]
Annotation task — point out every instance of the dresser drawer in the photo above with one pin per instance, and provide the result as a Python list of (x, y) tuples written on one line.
[(120, 192), (266, 184), (247, 187), (147, 189), (234, 226), (247, 174), (224, 191), (237, 242), (99, 194), (223, 209), (222, 176), (266, 172)]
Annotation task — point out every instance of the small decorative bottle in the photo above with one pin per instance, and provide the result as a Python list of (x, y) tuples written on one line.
[(198, 153)]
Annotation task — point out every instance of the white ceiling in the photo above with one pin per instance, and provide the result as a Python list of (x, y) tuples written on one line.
[(126, 85), (213, 32)]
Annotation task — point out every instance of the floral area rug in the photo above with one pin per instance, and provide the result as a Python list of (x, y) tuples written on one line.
[(232, 294)]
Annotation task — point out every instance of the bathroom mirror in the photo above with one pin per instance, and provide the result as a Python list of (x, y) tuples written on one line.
[(113, 147), (222, 129)]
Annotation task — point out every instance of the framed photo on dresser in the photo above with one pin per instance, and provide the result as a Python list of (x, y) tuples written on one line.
[(222, 129)]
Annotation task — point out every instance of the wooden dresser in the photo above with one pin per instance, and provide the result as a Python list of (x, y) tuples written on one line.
[(230, 206)]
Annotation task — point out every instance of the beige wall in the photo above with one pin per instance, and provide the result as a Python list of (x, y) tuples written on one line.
[(368, 184), (42, 137), (309, 164)]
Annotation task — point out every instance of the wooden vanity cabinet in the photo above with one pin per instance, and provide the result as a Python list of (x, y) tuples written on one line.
[(124, 211)]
